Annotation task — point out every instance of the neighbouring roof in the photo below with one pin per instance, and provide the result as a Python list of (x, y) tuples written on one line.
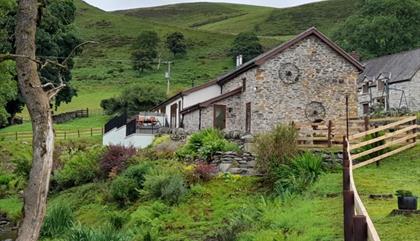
[(399, 67), (209, 102)]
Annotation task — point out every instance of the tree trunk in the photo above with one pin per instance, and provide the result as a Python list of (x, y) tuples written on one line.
[(38, 103)]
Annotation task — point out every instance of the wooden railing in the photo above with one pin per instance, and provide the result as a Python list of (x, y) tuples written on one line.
[(59, 134), (330, 133), (358, 226), (391, 139)]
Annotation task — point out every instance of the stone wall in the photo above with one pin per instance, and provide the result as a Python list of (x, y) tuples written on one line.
[(412, 95), (191, 121), (323, 77)]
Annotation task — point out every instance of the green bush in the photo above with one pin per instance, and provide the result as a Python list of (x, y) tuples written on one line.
[(204, 144), (167, 187), (58, 220), (80, 168), (123, 190), (137, 173), (106, 233), (298, 174), (275, 148)]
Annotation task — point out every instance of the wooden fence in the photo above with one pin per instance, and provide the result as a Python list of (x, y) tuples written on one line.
[(59, 134), (384, 141), (330, 133), (67, 116)]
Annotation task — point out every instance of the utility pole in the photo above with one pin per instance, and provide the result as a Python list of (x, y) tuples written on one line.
[(168, 76)]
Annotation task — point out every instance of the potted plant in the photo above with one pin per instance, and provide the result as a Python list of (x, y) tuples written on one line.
[(406, 200)]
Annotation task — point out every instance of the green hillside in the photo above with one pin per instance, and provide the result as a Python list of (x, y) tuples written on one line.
[(235, 18), (103, 69)]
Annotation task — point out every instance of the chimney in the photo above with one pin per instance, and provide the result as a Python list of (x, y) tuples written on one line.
[(239, 60), (355, 55)]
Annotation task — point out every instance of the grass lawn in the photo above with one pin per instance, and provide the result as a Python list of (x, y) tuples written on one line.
[(93, 121), (401, 171)]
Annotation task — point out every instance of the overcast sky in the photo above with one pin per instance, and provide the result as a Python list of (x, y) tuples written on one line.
[(110, 5)]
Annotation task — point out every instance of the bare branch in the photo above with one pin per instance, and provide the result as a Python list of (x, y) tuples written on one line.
[(54, 91), (75, 48), (4, 57)]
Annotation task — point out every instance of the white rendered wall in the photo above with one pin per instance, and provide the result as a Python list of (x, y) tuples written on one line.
[(201, 95), (168, 111), (117, 137)]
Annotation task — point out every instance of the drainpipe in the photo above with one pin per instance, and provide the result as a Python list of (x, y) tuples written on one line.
[(199, 118)]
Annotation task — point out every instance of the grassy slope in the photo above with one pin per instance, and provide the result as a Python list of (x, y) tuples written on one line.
[(324, 15), (398, 172), (232, 19)]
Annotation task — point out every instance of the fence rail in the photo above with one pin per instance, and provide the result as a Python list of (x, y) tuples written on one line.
[(59, 134), (330, 133), (390, 138)]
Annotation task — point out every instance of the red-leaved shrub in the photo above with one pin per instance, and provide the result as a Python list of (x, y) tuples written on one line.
[(201, 172), (115, 159)]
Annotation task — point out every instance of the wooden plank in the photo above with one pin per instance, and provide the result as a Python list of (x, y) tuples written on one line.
[(380, 138), (394, 124), (386, 145), (388, 154), (360, 209)]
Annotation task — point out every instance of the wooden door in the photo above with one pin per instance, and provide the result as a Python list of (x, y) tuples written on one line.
[(248, 117), (174, 110), (219, 117)]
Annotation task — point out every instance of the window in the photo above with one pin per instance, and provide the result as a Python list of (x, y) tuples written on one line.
[(366, 108), (248, 117), (174, 110), (219, 117), (365, 88), (381, 85)]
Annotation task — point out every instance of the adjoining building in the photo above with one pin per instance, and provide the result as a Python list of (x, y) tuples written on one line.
[(391, 82), (304, 80)]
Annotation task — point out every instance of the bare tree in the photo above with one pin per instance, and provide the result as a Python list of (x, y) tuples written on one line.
[(37, 98)]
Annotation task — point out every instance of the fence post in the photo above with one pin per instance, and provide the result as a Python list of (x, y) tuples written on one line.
[(65, 135), (102, 130), (359, 228), (16, 135), (366, 119), (415, 131), (329, 133), (87, 112), (91, 132), (78, 133), (348, 198)]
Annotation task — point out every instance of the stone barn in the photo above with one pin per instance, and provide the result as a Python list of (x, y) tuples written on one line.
[(304, 80)]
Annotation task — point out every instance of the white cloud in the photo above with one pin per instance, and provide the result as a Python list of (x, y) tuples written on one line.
[(110, 5)]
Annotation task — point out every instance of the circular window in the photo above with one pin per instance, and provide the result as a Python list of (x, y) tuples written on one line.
[(289, 73), (315, 111)]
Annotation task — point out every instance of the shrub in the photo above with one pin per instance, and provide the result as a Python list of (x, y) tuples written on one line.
[(106, 233), (205, 144), (200, 172), (80, 168), (123, 190), (297, 175), (58, 220), (164, 186), (137, 173), (117, 220), (275, 148), (115, 159)]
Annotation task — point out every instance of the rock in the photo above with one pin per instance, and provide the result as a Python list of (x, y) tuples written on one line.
[(235, 170), (224, 167)]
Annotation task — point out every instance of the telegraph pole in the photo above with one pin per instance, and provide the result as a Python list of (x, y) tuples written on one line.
[(168, 76)]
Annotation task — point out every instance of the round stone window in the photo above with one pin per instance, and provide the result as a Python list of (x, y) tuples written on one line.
[(315, 111), (289, 73)]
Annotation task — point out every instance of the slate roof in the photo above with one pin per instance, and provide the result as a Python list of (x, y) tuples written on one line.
[(401, 66)]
